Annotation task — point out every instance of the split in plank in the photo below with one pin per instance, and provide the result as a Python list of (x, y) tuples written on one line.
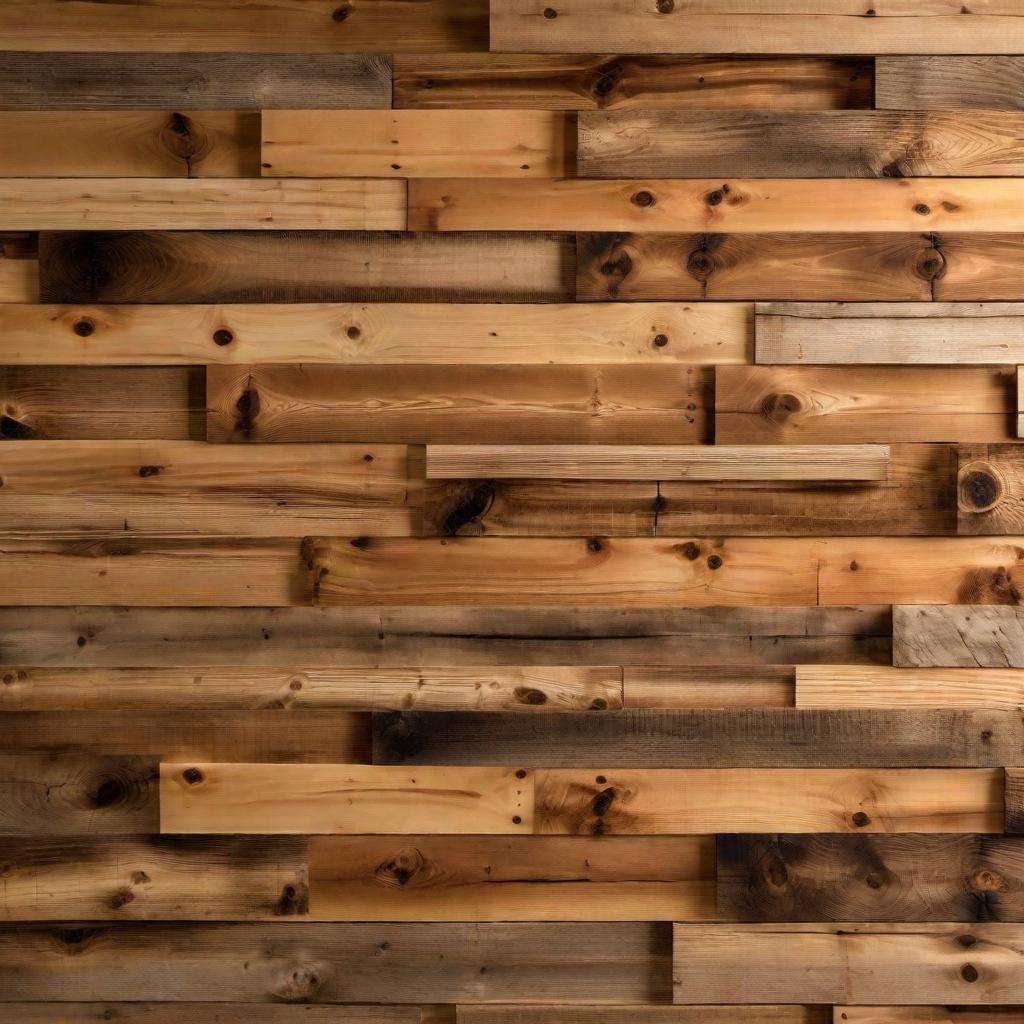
[(960, 636), (952, 83), (990, 489)]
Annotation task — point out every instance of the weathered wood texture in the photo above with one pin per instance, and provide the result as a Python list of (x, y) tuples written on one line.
[(959, 635), (496, 1014), (953, 83), (1015, 800), (243, 1013), (990, 489)]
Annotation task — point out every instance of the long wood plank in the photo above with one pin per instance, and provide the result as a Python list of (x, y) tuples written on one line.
[(925, 1014), (558, 1014), (216, 81), (343, 798), (822, 405), (512, 878), (861, 963), (153, 878), (737, 205), (731, 26), (953, 83), (188, 488), (531, 690), (620, 963), (455, 635), (416, 144), (822, 144), (707, 737), (990, 484), (959, 636), (658, 462), (700, 801), (889, 333), (572, 82), (242, 1013), (620, 404), (123, 144), (700, 686), (377, 333), (870, 878), (197, 204), (880, 686), (204, 267), (287, 26)]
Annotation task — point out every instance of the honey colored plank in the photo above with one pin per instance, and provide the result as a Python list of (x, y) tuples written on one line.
[(19, 267), (990, 487), (343, 798), (864, 963), (714, 686), (129, 144), (416, 144), (953, 83), (287, 26), (870, 878), (622, 404), (890, 333), (511, 878), (731, 26), (738, 205), (541, 689), (822, 405), (571, 82), (153, 878), (958, 636), (101, 403), (119, 204), (204, 267), (215, 81), (185, 488), (658, 462), (497, 1014), (152, 572), (879, 686), (688, 801), (537, 571), (219, 1013), (819, 144), (453, 635), (925, 1014), (703, 738), (378, 333), (622, 963), (1015, 800)]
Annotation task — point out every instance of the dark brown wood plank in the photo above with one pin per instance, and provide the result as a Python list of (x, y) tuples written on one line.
[(711, 738), (304, 266), (952, 83), (873, 877), (960, 636)]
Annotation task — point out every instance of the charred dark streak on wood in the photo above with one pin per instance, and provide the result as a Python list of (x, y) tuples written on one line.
[(12, 429), (248, 409), (469, 506)]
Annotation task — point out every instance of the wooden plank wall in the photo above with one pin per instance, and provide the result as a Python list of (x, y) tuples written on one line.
[(511, 512)]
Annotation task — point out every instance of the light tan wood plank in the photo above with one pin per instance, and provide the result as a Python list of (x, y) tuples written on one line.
[(958, 636), (327, 799), (714, 686), (118, 204)]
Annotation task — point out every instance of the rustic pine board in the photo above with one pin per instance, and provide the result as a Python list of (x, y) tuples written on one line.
[(959, 635)]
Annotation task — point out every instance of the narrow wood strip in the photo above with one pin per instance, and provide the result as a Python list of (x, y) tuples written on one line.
[(925, 1014), (953, 83), (119, 204), (377, 333), (559, 1014), (959, 636), (228, 1013), (714, 686), (864, 963), (571, 82), (661, 462), (511, 878), (738, 205), (870, 878), (1015, 800), (541, 689), (700, 801), (295, 799), (153, 878)]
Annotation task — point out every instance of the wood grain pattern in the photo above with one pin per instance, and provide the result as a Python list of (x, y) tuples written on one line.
[(924, 1014), (989, 482), (19, 267), (497, 1014), (954, 83), (717, 686), (958, 636), (228, 1013)]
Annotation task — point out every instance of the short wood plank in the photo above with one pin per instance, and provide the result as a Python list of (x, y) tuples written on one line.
[(526, 689), (959, 636), (706, 737), (19, 267), (819, 144), (153, 878), (511, 878), (990, 489), (416, 144), (621, 404), (953, 83), (128, 144), (200, 81), (870, 878), (712, 686), (120, 204), (862, 963), (1015, 800), (377, 333), (890, 333), (730, 26), (822, 405), (658, 462), (700, 801), (294, 799), (553, 1014), (737, 205), (205, 267), (572, 82), (231, 1013)]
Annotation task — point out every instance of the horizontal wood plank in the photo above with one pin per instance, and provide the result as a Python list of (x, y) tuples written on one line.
[(714, 686), (953, 83), (959, 635), (230, 1013), (553, 1014), (19, 267), (925, 1014)]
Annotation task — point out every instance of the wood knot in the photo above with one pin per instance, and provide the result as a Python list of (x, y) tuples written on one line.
[(193, 776), (594, 546), (860, 819), (530, 695), (223, 337), (660, 340), (781, 407), (550, 13), (690, 550), (402, 868), (644, 198), (969, 973), (147, 471), (603, 802), (666, 6), (980, 487), (714, 561), (84, 327)]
